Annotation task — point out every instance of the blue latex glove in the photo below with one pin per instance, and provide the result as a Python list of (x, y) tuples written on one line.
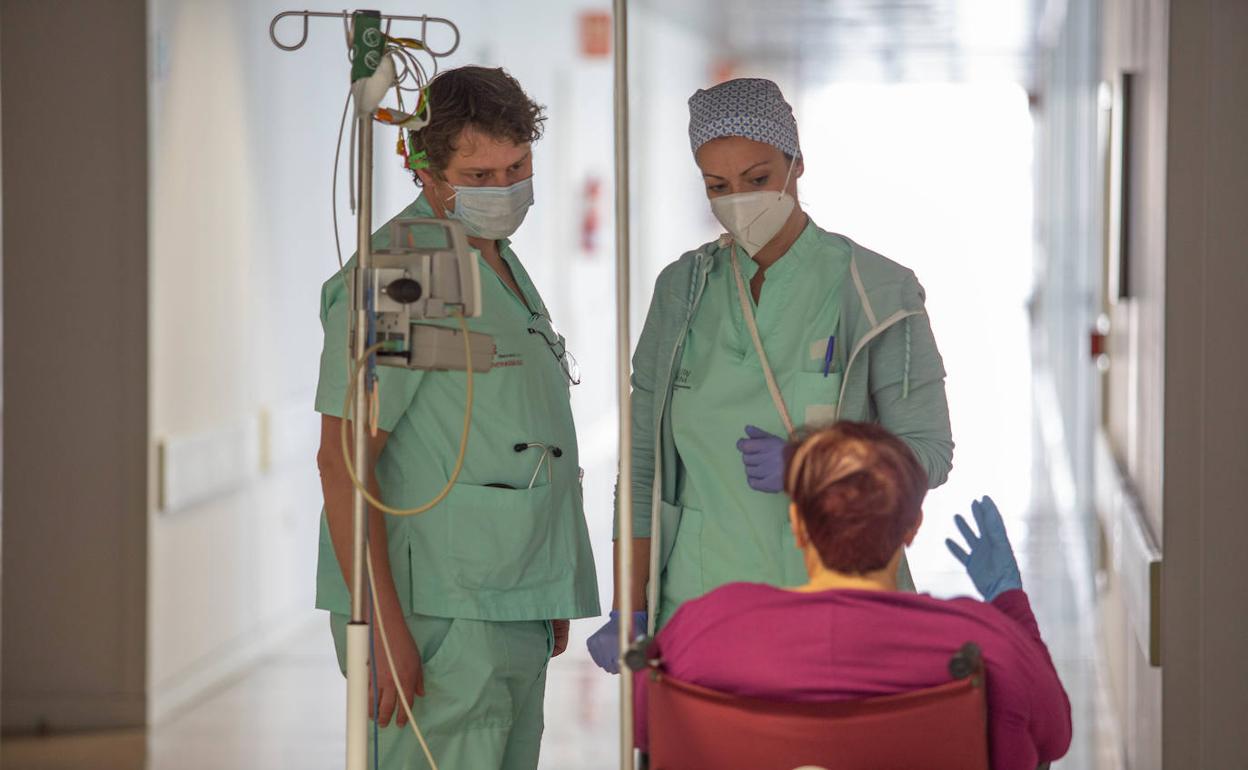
[(991, 562), (763, 454), (604, 645)]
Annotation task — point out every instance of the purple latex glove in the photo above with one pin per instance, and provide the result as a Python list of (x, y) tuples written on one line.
[(763, 455), (604, 644)]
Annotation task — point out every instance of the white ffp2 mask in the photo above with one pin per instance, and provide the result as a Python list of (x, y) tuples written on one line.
[(754, 218)]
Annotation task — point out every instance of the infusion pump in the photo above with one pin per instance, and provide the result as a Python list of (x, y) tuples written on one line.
[(427, 273)]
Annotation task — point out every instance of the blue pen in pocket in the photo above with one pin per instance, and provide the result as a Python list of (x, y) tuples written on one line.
[(827, 357)]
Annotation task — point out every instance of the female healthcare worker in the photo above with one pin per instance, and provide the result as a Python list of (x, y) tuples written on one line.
[(775, 326), (477, 592)]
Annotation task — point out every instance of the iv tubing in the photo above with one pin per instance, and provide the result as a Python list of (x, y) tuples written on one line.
[(348, 418), (394, 674)]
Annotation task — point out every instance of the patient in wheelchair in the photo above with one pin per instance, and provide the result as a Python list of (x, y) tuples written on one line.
[(848, 633)]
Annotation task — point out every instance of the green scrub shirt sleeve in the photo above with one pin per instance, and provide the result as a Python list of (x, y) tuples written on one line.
[(331, 387), (645, 359), (397, 387), (907, 385)]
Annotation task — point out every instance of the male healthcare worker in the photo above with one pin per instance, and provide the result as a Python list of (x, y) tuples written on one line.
[(777, 325), (476, 593)]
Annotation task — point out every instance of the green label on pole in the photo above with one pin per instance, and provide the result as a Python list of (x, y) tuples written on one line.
[(366, 44)]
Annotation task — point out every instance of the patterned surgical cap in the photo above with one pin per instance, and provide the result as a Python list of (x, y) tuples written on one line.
[(750, 107)]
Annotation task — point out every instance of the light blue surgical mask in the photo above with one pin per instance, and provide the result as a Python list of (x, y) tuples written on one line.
[(492, 212)]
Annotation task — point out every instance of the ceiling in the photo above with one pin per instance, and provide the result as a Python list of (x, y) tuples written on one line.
[(872, 40)]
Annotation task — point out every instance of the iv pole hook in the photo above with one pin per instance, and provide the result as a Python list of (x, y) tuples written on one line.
[(424, 29), (273, 30)]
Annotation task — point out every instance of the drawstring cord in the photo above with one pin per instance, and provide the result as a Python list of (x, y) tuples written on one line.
[(905, 382)]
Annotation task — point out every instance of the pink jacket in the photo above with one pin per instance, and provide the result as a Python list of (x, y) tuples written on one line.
[(765, 642)]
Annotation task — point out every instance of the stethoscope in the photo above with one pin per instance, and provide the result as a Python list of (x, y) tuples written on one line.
[(548, 451)]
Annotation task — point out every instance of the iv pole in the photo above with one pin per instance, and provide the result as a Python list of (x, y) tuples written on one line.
[(358, 633), (358, 629), (624, 578)]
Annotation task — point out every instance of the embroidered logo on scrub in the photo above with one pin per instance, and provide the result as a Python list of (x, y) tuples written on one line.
[(682, 380), (502, 359)]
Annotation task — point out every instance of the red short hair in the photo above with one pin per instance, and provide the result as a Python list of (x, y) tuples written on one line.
[(858, 488)]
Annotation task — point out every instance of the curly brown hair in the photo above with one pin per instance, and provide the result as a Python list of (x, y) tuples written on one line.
[(489, 100)]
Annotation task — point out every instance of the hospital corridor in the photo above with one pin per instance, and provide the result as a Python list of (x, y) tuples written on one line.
[(348, 355)]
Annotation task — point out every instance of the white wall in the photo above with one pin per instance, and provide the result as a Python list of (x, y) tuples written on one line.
[(241, 138), (1069, 243), (242, 148), (1135, 39)]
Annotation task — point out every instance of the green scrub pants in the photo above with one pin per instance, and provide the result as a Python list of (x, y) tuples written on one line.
[(484, 686)]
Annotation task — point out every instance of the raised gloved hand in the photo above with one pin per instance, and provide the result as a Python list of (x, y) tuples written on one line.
[(763, 455), (991, 562), (604, 645)]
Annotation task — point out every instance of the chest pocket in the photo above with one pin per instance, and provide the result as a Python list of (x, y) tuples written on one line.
[(816, 398)]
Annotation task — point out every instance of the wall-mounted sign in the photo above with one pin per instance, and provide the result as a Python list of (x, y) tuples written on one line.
[(595, 29)]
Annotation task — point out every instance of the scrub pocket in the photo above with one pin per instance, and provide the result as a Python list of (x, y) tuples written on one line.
[(816, 398), (433, 637), (683, 576), (501, 539), (669, 527)]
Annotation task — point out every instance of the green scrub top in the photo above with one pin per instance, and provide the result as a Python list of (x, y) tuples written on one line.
[(494, 549), (730, 532)]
